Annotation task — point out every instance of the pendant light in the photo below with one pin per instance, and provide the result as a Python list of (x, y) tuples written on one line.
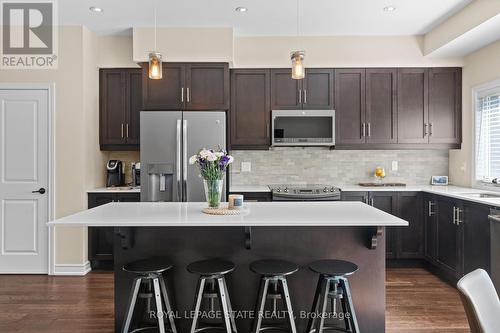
[(298, 68), (155, 61)]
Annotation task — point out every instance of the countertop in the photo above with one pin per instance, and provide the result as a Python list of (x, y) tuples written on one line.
[(188, 214), (456, 192), (123, 189)]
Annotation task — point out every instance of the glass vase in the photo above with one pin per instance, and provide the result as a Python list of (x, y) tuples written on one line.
[(213, 192)]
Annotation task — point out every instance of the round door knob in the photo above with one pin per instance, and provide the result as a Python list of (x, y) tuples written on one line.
[(40, 190)]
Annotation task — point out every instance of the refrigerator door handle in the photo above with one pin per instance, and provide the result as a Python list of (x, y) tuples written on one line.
[(178, 162), (184, 159)]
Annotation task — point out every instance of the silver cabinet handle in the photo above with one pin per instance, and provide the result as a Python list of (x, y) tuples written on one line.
[(363, 129), (459, 212), (305, 96), (369, 129), (122, 130), (182, 94), (178, 164), (425, 129), (188, 95), (184, 158), (454, 215), (300, 96), (127, 130), (430, 208), (371, 202), (430, 129)]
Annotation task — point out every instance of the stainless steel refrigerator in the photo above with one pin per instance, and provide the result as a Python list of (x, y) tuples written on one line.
[(168, 139)]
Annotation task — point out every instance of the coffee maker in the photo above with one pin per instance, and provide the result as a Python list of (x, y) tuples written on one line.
[(136, 174), (115, 175)]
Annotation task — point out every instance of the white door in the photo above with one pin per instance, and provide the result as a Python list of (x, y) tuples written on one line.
[(24, 158)]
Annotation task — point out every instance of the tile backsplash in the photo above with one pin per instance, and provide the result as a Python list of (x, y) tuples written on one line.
[(127, 157), (338, 167)]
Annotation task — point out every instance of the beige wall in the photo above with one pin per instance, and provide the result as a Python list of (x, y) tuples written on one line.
[(115, 51), (479, 67), (335, 51)]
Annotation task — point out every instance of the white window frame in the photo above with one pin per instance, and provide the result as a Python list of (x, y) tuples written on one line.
[(476, 92)]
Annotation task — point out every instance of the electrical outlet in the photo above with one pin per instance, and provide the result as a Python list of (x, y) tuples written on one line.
[(394, 166), (246, 167)]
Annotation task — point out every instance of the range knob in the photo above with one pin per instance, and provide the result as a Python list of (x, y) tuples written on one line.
[(332, 189), (278, 189), (285, 190), (325, 189)]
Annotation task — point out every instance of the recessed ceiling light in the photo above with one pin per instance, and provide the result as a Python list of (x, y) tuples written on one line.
[(96, 9), (241, 9), (389, 9)]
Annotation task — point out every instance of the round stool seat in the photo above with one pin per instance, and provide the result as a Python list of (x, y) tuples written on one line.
[(273, 267), (149, 265), (211, 267), (333, 267)]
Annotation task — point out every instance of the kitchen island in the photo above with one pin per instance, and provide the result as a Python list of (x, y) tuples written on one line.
[(300, 232)]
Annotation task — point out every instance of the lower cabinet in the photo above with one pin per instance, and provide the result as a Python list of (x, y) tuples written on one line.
[(255, 196), (100, 239), (476, 229), (401, 242)]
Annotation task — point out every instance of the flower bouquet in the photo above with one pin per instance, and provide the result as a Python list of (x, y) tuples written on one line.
[(213, 165)]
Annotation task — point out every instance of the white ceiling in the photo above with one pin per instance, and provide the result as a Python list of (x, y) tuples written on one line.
[(265, 17)]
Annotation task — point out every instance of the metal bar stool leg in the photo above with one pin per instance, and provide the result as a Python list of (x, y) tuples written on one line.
[(131, 304), (288, 304), (347, 292), (314, 310), (159, 306), (260, 304), (323, 303), (347, 321), (170, 313), (197, 302), (230, 307), (224, 304)]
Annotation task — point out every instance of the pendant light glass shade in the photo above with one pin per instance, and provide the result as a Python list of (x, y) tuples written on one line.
[(298, 68), (155, 66)]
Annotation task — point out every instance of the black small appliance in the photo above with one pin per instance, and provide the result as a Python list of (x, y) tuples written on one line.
[(115, 175), (136, 174)]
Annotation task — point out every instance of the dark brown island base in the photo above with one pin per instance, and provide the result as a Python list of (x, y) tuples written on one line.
[(295, 232)]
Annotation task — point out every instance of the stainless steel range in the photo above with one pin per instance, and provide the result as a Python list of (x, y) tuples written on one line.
[(314, 192)]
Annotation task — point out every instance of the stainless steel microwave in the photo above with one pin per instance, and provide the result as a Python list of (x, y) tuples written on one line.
[(303, 127)]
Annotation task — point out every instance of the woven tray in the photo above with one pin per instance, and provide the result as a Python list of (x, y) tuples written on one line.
[(225, 211)]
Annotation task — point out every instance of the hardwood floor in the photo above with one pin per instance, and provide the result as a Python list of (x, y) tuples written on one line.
[(417, 302)]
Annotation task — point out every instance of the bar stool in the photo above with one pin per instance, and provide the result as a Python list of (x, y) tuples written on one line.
[(273, 274), (212, 285), (332, 286), (149, 271)]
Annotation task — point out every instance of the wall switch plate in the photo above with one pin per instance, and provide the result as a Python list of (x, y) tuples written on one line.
[(394, 166), (246, 167)]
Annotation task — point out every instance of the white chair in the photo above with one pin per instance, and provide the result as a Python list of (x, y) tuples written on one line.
[(480, 301)]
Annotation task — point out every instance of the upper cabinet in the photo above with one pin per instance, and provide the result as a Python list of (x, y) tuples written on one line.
[(413, 105), (120, 104), (350, 118), (250, 112), (445, 100), (196, 86), (314, 92)]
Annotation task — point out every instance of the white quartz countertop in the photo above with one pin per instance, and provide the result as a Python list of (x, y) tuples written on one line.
[(123, 189), (144, 214)]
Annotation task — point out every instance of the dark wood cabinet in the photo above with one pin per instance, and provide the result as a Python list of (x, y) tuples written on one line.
[(120, 104), (169, 93), (315, 91), (354, 196), (413, 84), (255, 196), (381, 106), (192, 86), (100, 239), (250, 112), (476, 229), (410, 245), (449, 234), (445, 91), (350, 105), (387, 201)]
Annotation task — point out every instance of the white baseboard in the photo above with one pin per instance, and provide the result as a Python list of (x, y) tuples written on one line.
[(72, 269)]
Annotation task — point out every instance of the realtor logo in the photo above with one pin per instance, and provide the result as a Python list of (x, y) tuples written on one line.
[(29, 34)]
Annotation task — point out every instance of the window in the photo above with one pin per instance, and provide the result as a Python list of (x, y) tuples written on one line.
[(488, 134)]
